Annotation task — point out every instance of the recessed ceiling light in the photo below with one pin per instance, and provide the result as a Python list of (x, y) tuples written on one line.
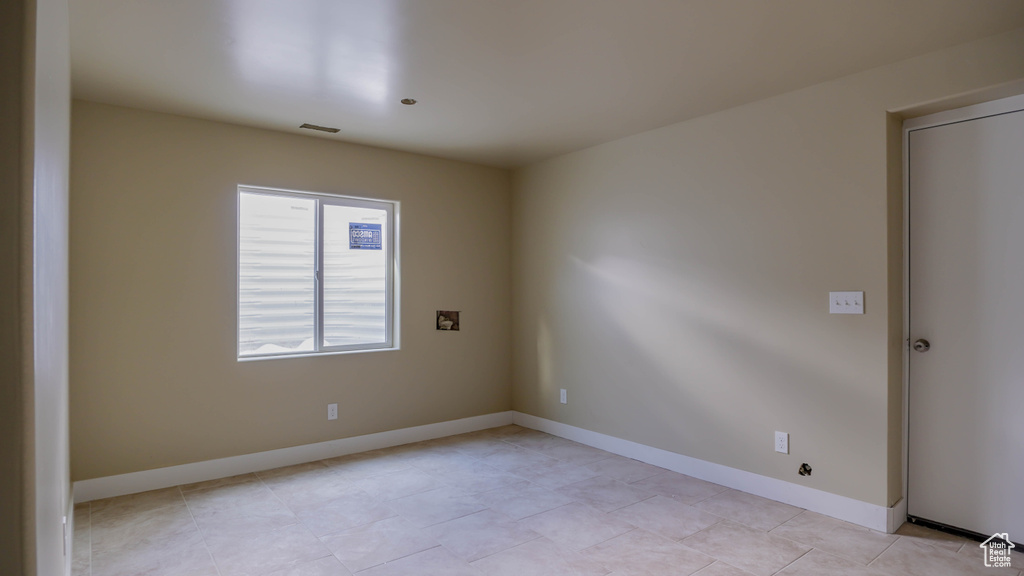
[(320, 128), (408, 101)]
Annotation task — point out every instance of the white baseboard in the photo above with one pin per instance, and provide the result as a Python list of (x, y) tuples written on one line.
[(897, 515), (132, 483), (855, 511)]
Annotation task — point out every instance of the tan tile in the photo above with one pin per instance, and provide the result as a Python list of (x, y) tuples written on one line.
[(257, 514), (917, 557), (286, 474), (154, 533), (481, 534), (476, 445), (436, 506), (434, 562), (524, 433), (753, 511), (510, 457), (523, 499), (320, 487), (554, 474), (219, 483), (161, 558), (427, 450), (139, 531), (746, 548), (686, 489), (720, 568), (625, 469), (266, 551), (535, 440), (818, 563), (505, 431), (81, 515), (372, 544), (539, 557), (136, 503), (932, 537), (642, 553), (354, 509), (367, 464), (604, 493), (475, 476), (836, 537), (398, 484), (476, 434), (666, 517), (576, 526), (215, 496), (440, 462), (396, 456), (81, 542), (327, 566), (81, 564), (564, 450)]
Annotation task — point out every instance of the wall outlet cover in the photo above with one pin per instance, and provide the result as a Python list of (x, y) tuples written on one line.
[(782, 442)]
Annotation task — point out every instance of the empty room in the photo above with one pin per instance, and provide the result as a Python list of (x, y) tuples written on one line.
[(497, 287)]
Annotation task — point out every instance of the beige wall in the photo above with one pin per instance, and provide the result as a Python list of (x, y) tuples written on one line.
[(676, 282), (155, 380)]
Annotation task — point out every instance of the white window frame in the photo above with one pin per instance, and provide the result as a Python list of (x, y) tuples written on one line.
[(391, 271)]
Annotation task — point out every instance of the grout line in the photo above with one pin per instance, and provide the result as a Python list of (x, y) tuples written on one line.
[(521, 544), (631, 530), (439, 545), (891, 544), (206, 545), (537, 537), (795, 560), (715, 495), (628, 505)]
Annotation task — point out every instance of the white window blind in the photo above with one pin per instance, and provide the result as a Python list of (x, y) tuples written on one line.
[(315, 273)]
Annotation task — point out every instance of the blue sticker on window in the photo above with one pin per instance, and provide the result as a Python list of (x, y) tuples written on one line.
[(364, 236)]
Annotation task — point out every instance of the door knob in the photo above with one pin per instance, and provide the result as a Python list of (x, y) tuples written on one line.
[(922, 345)]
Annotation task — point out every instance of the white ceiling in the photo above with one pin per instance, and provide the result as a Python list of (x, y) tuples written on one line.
[(499, 82)]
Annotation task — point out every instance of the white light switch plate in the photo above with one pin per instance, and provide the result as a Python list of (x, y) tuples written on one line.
[(845, 302)]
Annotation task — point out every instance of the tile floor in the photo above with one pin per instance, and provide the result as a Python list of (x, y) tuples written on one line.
[(505, 501)]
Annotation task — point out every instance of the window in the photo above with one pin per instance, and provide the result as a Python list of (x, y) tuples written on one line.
[(316, 273)]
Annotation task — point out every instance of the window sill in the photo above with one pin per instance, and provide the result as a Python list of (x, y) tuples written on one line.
[(314, 354)]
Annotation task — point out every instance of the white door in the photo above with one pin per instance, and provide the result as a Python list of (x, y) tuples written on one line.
[(966, 392)]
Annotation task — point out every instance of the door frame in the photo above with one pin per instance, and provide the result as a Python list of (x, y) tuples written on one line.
[(996, 107)]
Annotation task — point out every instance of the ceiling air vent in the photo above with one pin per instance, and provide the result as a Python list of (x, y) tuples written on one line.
[(320, 128)]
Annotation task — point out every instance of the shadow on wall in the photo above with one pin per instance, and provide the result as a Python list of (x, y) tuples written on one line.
[(701, 363)]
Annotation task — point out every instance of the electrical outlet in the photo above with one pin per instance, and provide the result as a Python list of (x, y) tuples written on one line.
[(782, 442), (332, 411), (561, 396)]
